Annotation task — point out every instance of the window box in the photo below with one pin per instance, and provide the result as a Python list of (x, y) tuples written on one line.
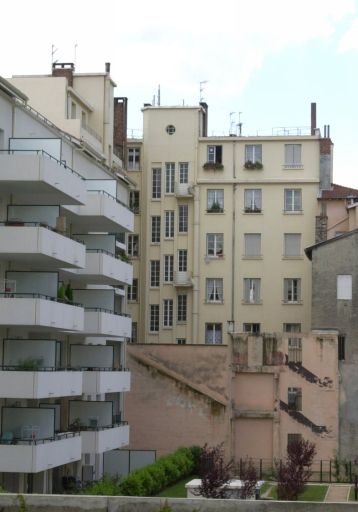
[(213, 166), (252, 210), (253, 165), (215, 208)]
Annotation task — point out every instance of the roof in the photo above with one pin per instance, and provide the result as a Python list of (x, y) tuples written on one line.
[(310, 249), (339, 192)]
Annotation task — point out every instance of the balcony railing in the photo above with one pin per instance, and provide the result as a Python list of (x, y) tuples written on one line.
[(106, 310), (18, 440), (16, 295), (104, 192), (20, 223)]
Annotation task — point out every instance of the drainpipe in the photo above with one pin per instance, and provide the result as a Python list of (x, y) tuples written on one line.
[(196, 250)]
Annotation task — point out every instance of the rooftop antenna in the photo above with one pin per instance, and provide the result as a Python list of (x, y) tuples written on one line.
[(159, 95), (239, 125), (231, 122), (153, 101), (75, 55), (201, 89), (53, 51)]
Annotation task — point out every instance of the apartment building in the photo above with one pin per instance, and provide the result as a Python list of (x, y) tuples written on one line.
[(64, 216)]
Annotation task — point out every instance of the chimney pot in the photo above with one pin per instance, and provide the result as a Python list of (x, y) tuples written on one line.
[(108, 67), (313, 119)]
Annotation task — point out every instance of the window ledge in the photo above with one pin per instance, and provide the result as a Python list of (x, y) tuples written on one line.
[(156, 199), (252, 212), (211, 212), (167, 328), (247, 303), (155, 243), (292, 257), (260, 257), (207, 257), (215, 302), (293, 303), (182, 322), (168, 238), (183, 233), (132, 301), (154, 287), (292, 212), (292, 166)]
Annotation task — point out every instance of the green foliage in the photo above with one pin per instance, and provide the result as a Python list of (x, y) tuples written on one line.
[(107, 486), (22, 503), (29, 364), (69, 293), (61, 292)]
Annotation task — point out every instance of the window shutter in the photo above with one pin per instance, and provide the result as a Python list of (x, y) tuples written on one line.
[(344, 287), (252, 244)]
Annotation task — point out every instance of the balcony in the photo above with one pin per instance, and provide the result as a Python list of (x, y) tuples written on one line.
[(15, 383), (36, 177), (104, 439), (183, 279), (184, 190)]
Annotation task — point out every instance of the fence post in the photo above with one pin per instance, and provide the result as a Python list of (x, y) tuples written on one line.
[(330, 471), (260, 469), (320, 471)]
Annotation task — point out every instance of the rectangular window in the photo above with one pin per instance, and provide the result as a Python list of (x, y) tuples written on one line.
[(293, 200), (183, 172), (252, 200), (214, 290), (215, 244), (294, 399), (169, 177), (344, 287), (156, 183), (293, 438), (155, 273), (133, 245), (168, 268), (252, 328), (182, 308), (183, 218), (341, 348), (252, 290), (154, 317), (292, 290), (182, 260), (293, 156), (181, 341), (168, 313), (169, 224), (213, 334), (134, 335), (291, 327), (215, 154), (132, 291), (292, 245), (294, 350), (253, 153), (252, 244), (134, 201), (156, 229), (133, 160), (215, 200)]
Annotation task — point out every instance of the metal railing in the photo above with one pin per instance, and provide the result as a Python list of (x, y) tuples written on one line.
[(106, 310), (111, 196), (56, 437), (20, 223), (26, 295)]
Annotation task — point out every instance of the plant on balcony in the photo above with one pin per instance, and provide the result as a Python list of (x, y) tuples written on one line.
[(75, 426), (213, 166), (30, 364), (61, 292), (215, 208), (253, 165), (123, 256), (69, 293)]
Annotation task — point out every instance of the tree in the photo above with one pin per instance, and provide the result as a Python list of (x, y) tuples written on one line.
[(249, 477), (214, 472), (294, 473)]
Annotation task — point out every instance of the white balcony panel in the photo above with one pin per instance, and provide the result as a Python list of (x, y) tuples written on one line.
[(183, 278), (101, 213), (32, 458), (42, 384), (104, 269), (99, 323), (41, 313), (99, 441), (40, 246), (38, 179), (184, 189), (98, 382)]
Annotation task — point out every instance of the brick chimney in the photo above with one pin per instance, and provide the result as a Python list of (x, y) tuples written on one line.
[(65, 69), (120, 126)]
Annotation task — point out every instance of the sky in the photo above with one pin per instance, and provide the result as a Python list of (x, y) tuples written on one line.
[(265, 60)]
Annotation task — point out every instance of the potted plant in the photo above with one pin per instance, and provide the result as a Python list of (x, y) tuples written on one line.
[(213, 166), (253, 165), (215, 208)]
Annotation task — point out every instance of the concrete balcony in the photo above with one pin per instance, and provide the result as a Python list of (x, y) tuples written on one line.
[(40, 311), (102, 322), (184, 190), (39, 384), (99, 382), (105, 439), (35, 456), (183, 279), (103, 268), (45, 248), (38, 178)]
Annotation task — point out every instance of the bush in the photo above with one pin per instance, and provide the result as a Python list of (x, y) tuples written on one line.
[(107, 486)]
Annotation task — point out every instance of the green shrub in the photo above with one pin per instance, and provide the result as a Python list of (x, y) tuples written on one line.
[(107, 486)]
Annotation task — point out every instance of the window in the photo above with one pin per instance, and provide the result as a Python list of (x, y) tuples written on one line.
[(215, 200), (170, 129), (292, 245), (134, 201), (154, 318), (168, 313), (293, 156), (291, 327), (182, 260), (156, 183), (156, 229), (341, 348), (294, 350), (215, 244), (132, 290), (182, 308), (215, 154), (252, 290), (253, 153), (169, 177), (133, 245), (344, 287), (134, 335), (168, 268), (183, 172), (293, 200), (133, 159), (292, 290), (293, 438), (213, 334), (155, 273), (294, 399), (252, 328), (252, 245), (183, 218), (181, 341), (252, 200), (169, 224), (214, 290)]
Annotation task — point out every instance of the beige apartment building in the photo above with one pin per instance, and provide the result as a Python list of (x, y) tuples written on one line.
[(220, 228)]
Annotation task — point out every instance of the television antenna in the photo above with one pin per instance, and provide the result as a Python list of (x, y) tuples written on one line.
[(201, 89), (231, 122), (53, 51)]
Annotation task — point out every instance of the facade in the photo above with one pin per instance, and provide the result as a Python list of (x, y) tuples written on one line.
[(64, 216)]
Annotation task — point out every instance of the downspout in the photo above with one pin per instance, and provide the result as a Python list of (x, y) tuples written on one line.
[(196, 249)]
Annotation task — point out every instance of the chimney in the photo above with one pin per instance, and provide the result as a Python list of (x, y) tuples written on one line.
[(108, 67), (204, 126), (313, 119), (65, 69), (120, 126)]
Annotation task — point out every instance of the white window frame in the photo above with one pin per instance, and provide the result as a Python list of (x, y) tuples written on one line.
[(134, 203), (154, 317), (293, 200), (168, 313), (215, 196), (183, 218), (214, 245), (132, 291), (289, 246), (214, 289), (182, 260), (169, 223), (291, 327), (292, 290), (214, 156), (133, 245), (252, 290), (293, 156), (168, 268), (156, 183), (344, 287), (249, 327), (253, 153), (251, 242), (154, 273), (213, 333), (182, 308), (169, 177), (155, 234), (253, 200), (133, 159), (184, 172)]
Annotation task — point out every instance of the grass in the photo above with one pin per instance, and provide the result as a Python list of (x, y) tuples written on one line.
[(177, 490), (351, 493), (310, 493)]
